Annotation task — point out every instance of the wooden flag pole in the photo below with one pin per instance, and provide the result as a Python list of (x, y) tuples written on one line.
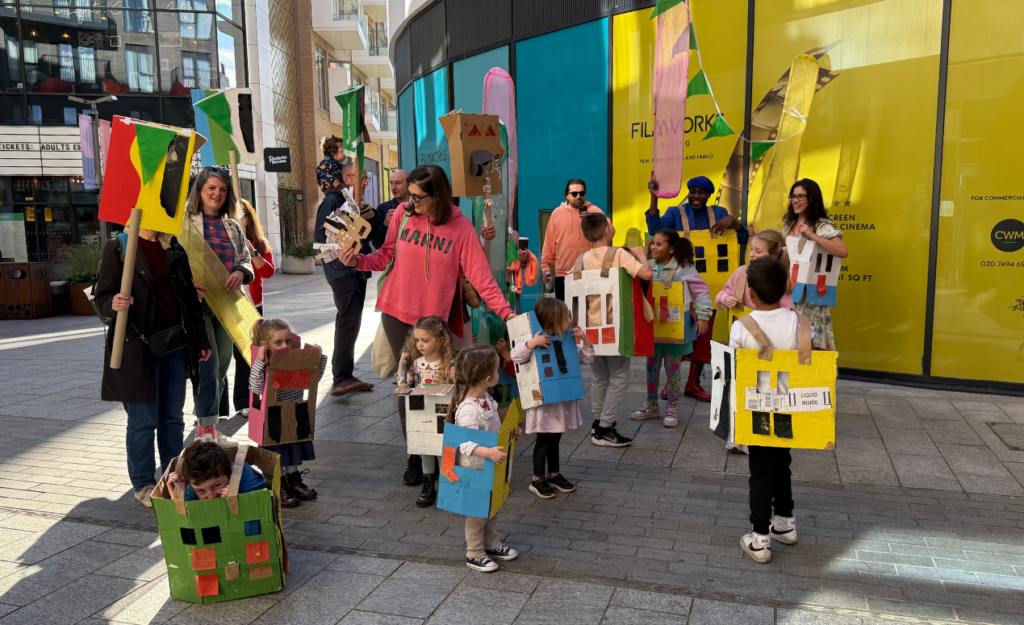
[(234, 178), (117, 349)]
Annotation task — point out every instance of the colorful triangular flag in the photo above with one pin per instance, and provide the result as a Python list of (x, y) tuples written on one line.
[(698, 85), (758, 148), (153, 144), (693, 37), (664, 5), (718, 129)]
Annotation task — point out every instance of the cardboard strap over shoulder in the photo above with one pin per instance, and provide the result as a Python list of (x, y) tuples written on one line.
[(767, 351), (668, 278), (236, 477), (711, 222), (178, 497), (741, 288), (804, 348), (801, 243), (686, 223), (606, 262), (577, 270)]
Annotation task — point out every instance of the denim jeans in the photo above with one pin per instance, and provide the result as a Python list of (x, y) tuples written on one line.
[(213, 374), (164, 417), (349, 296)]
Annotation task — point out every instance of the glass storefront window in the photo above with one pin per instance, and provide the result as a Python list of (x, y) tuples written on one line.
[(230, 55), (10, 51)]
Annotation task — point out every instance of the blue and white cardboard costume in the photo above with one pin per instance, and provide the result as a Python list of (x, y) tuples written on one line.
[(814, 273), (553, 373)]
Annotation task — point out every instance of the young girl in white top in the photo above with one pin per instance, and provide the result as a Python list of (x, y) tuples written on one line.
[(550, 421), (476, 370), (427, 361)]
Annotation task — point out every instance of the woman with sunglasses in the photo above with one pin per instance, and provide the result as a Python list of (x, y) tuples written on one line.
[(214, 211), (563, 240), (433, 246), (806, 216)]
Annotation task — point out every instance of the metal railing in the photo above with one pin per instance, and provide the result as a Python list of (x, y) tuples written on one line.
[(377, 43), (352, 11)]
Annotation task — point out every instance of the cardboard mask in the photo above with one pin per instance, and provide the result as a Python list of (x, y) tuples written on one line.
[(814, 273), (425, 410), (467, 135), (226, 548), (474, 485), (275, 422), (774, 398), (344, 229), (553, 373)]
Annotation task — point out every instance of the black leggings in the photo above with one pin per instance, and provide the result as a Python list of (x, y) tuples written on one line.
[(396, 331), (546, 448), (771, 487)]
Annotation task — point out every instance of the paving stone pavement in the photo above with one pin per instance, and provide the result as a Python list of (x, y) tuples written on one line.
[(918, 515)]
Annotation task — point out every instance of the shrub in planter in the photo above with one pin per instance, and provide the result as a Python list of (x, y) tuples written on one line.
[(79, 265), (298, 258)]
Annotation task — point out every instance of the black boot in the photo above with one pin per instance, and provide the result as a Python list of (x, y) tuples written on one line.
[(413, 471), (429, 491)]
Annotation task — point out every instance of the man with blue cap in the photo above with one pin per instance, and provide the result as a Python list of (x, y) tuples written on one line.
[(699, 216)]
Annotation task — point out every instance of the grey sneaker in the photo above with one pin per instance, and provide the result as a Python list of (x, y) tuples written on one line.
[(145, 496), (647, 411)]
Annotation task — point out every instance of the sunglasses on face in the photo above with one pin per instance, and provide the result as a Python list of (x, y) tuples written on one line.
[(578, 193), (416, 199)]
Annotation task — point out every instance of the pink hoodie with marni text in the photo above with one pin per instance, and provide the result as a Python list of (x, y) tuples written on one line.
[(429, 263)]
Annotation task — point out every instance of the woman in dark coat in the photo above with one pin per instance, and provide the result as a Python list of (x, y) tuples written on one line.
[(165, 317)]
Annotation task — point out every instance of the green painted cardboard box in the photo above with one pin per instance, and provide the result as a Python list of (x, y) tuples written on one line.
[(225, 548)]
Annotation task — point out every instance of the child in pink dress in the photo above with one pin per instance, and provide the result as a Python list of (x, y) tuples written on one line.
[(550, 421)]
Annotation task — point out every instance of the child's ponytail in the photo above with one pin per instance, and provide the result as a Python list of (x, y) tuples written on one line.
[(472, 367), (264, 328)]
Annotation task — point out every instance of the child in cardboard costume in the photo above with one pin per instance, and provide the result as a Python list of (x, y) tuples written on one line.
[(735, 295), (798, 410), (281, 420), (426, 363), (476, 370), (675, 286), (598, 309), (220, 523), (548, 370)]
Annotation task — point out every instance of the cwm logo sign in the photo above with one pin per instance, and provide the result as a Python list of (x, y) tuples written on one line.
[(1008, 235)]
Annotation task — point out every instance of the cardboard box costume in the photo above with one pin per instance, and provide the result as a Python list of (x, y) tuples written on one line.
[(625, 325), (715, 256), (226, 548), (425, 410), (814, 273), (774, 398), (673, 320), (474, 485), (553, 373), (273, 422), (474, 144)]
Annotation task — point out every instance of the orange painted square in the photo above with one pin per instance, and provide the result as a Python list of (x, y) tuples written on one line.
[(607, 336), (291, 379), (257, 552), (204, 559), (207, 586), (593, 336), (261, 573)]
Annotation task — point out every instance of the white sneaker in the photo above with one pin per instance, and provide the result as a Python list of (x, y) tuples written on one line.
[(671, 418), (226, 442), (145, 496), (757, 546), (784, 529), (647, 411)]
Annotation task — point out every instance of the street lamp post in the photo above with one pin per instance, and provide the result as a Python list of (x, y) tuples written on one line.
[(93, 104)]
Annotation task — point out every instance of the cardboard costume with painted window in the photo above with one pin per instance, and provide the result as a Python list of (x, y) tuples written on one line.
[(814, 273), (425, 410), (715, 256), (553, 373), (474, 485), (274, 422), (774, 398), (225, 548), (610, 307), (673, 322)]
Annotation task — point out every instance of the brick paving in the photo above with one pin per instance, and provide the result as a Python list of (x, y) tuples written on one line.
[(918, 515)]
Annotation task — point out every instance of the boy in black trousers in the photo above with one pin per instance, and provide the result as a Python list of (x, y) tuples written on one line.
[(770, 484)]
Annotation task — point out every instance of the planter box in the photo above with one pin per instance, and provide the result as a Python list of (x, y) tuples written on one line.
[(300, 266), (80, 305)]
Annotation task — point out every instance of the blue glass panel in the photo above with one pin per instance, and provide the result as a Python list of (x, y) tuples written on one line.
[(469, 78), (407, 128), (432, 102)]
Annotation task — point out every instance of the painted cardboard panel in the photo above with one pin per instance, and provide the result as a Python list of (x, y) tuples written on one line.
[(274, 422), (723, 391), (673, 322), (782, 403), (603, 307), (467, 134), (473, 485), (344, 229), (219, 526), (814, 273), (715, 258), (226, 117), (553, 373), (425, 410)]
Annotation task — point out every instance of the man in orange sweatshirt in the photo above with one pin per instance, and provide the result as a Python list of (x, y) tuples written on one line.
[(563, 240)]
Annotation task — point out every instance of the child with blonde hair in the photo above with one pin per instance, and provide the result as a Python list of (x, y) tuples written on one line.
[(427, 360), (764, 243), (271, 335), (550, 421), (476, 370)]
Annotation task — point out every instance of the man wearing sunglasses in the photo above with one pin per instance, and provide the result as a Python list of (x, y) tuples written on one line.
[(563, 240)]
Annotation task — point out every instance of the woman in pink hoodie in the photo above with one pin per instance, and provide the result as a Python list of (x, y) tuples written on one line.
[(433, 246)]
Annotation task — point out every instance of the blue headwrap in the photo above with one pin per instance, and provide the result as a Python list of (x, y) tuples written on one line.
[(701, 182)]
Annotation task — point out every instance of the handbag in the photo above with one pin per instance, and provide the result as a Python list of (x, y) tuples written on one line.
[(382, 359), (166, 341)]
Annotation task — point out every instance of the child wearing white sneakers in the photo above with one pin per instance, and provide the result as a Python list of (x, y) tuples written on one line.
[(771, 488)]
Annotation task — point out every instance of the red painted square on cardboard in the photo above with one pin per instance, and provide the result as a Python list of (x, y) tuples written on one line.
[(204, 559), (257, 552), (607, 336), (593, 336), (207, 586)]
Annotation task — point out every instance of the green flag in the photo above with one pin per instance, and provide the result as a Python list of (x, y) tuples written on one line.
[(353, 128), (153, 144), (719, 129), (217, 109), (693, 37), (664, 5), (698, 85), (758, 148)]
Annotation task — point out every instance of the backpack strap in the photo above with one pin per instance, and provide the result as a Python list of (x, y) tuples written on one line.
[(804, 348), (123, 237), (767, 351), (606, 262)]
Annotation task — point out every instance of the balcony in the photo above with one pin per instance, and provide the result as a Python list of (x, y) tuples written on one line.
[(387, 132), (376, 9), (338, 79), (387, 85), (342, 23), (374, 61)]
